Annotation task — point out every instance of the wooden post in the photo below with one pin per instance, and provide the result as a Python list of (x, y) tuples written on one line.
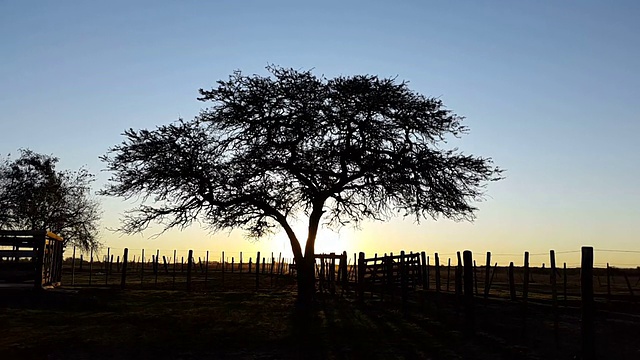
[(564, 279), (189, 268), (257, 270), (626, 278), (468, 293), (206, 270), (142, 267), (438, 282), (361, 271), (448, 273), (264, 264), (175, 259), (404, 291), (106, 268), (250, 260), (475, 278), (156, 266), (554, 296), (73, 266), (240, 267), (425, 277), (525, 283), (458, 277), (233, 263), (332, 274), (343, 262), (81, 263), (118, 264), (223, 266), (608, 283), (165, 265), (273, 263), (525, 292), (428, 274), (355, 268), (125, 257), (90, 265), (512, 283), (487, 271), (493, 273), (586, 290)]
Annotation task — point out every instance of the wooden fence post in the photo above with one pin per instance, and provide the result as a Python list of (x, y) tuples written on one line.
[(223, 266), (90, 265), (468, 293), (512, 283), (487, 270), (240, 266), (125, 258), (174, 268), (156, 265), (189, 268), (345, 265), (206, 270), (404, 291), (438, 282), (258, 271), (475, 277), (458, 277), (525, 292), (361, 272), (73, 266), (142, 267), (554, 296), (428, 274), (564, 279), (106, 268), (608, 283), (425, 276), (448, 273), (332, 274), (586, 290), (250, 263)]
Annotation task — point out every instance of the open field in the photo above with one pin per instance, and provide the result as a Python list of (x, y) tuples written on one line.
[(225, 314), (104, 323), (234, 321)]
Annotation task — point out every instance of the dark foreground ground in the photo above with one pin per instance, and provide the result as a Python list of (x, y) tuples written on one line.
[(108, 323)]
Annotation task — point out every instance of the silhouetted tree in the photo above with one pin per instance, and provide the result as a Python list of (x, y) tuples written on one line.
[(35, 196), (269, 149)]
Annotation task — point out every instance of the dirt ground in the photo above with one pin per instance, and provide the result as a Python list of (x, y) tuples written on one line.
[(109, 323)]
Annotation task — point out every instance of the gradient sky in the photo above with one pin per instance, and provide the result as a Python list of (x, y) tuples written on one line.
[(550, 90)]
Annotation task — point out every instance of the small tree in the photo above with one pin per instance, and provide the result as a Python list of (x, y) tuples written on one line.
[(336, 151), (35, 196)]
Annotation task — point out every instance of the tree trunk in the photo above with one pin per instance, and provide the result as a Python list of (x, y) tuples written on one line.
[(306, 282)]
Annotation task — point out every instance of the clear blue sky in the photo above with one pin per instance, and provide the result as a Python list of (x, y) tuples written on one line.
[(550, 90)]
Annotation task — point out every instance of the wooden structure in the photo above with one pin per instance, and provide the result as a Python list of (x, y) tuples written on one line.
[(31, 256)]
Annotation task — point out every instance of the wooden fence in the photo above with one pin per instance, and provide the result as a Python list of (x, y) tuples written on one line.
[(467, 285), (169, 271)]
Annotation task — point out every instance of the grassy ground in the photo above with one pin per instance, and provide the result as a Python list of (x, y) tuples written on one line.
[(106, 323), (236, 322), (140, 324)]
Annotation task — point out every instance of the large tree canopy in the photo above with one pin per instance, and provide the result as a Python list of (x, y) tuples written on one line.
[(35, 196), (294, 144)]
